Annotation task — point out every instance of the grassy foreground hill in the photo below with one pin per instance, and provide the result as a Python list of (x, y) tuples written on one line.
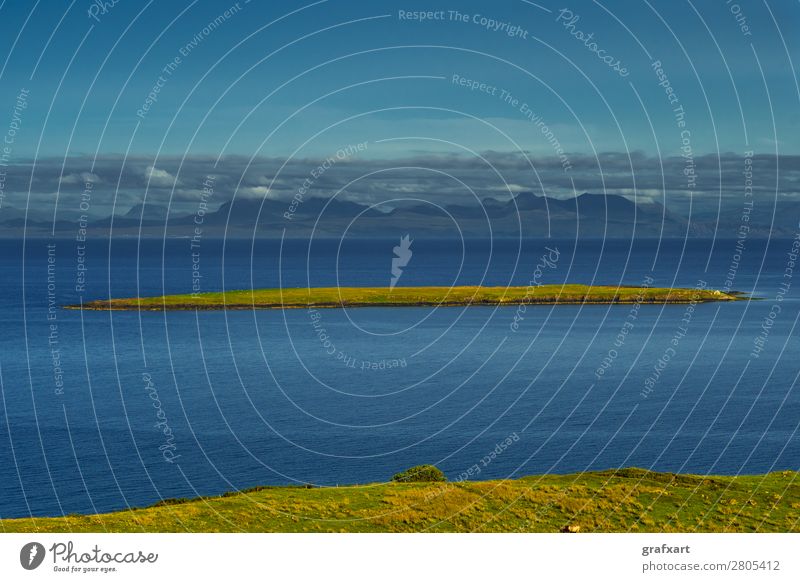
[(332, 297), (608, 501)]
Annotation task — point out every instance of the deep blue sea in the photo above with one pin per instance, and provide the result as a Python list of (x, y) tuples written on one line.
[(105, 410)]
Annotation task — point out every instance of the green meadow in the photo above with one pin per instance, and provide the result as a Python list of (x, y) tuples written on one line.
[(333, 297), (627, 500)]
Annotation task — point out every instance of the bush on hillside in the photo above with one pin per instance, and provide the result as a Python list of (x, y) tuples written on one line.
[(420, 474)]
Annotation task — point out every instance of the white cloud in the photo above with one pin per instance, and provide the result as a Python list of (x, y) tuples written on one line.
[(253, 191), (81, 178), (160, 178)]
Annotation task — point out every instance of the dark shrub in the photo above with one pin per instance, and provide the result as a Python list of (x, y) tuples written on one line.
[(420, 474)]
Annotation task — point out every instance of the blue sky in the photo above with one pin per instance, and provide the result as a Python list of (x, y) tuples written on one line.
[(391, 78), (143, 99)]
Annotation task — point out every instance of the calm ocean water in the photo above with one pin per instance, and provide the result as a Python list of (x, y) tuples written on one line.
[(101, 411)]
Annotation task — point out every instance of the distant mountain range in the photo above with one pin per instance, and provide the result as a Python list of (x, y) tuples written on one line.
[(528, 215)]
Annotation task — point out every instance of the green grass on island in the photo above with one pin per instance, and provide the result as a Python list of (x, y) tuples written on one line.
[(625, 500), (332, 297)]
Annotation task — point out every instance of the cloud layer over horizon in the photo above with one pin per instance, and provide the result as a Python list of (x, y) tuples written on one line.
[(116, 183)]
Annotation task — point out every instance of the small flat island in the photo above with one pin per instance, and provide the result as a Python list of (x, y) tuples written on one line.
[(338, 297)]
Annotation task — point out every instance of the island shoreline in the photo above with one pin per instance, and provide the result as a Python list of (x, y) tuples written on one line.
[(363, 297)]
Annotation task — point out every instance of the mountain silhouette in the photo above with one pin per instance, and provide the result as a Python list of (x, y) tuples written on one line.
[(525, 214)]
